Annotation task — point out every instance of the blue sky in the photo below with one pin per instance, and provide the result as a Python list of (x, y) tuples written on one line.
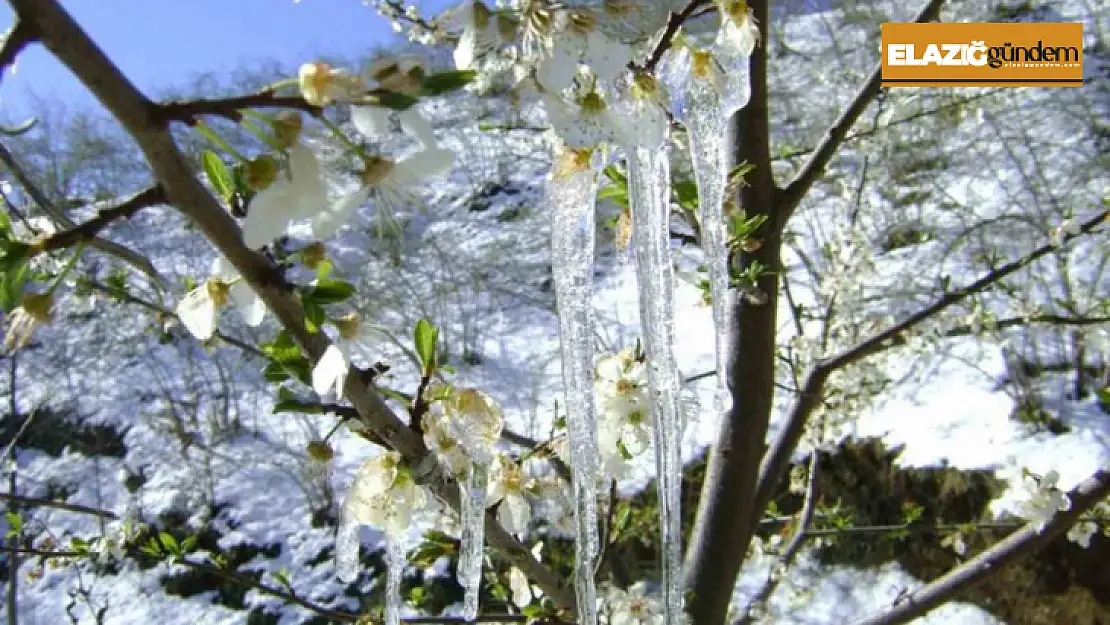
[(160, 43)]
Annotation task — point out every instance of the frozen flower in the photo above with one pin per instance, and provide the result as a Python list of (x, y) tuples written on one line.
[(330, 371), (382, 495), (1081, 533), (441, 438), (321, 84), (478, 417), (583, 124), (956, 542), (35, 310), (576, 38), (509, 486), (299, 195), (641, 119), (634, 606), (199, 310), (739, 29), (1043, 501), (705, 78), (388, 179), (621, 384)]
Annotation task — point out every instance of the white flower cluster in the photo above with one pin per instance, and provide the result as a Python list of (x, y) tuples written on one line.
[(634, 606), (624, 412), (1042, 499)]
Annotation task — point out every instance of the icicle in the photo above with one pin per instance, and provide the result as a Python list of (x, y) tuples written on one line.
[(571, 196), (346, 549), (649, 193), (707, 128), (395, 559), (473, 518)]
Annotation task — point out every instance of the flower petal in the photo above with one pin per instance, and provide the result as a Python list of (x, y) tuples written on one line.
[(556, 72), (421, 166), (607, 57), (197, 312), (247, 302), (416, 126), (370, 121), (268, 215), (514, 514), (328, 222), (310, 193), (330, 372)]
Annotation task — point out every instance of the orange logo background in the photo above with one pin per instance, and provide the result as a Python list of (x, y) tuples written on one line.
[(982, 54)]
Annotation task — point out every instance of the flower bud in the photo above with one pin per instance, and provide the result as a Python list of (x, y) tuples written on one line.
[(287, 127), (314, 254), (260, 172), (38, 305), (320, 451)]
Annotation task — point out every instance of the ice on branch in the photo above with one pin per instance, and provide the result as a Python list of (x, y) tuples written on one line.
[(571, 193), (199, 310), (300, 193), (739, 29), (383, 495)]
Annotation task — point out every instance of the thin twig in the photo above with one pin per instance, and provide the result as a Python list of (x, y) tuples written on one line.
[(60, 505), (15, 40), (89, 230), (830, 144), (674, 22), (188, 111)]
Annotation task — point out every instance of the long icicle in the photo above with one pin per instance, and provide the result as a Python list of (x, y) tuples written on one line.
[(649, 193), (571, 196), (706, 126), (473, 519), (395, 560)]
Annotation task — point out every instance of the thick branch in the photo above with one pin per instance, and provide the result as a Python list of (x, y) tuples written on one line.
[(88, 230), (829, 145), (1021, 543), (777, 461), (187, 111), (143, 120)]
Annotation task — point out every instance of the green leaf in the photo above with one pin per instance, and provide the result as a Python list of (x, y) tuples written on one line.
[(169, 543), (188, 544), (391, 99), (328, 292), (296, 405), (283, 348), (686, 192), (15, 523), (615, 193), (12, 254), (443, 82), (615, 175), (12, 286), (217, 173), (314, 315), (425, 337)]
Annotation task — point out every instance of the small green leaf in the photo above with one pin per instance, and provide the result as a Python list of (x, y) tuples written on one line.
[(217, 173), (327, 292), (15, 522), (169, 543), (188, 544), (443, 82), (425, 337), (13, 284), (391, 99)]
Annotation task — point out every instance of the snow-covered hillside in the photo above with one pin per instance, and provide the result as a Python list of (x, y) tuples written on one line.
[(184, 437)]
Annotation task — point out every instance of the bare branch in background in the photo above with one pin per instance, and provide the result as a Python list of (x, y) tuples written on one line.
[(89, 230)]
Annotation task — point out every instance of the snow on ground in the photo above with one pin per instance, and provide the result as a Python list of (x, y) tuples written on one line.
[(476, 263)]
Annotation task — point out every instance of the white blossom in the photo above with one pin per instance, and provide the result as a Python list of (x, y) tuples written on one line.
[(523, 591), (199, 310), (321, 84), (34, 311), (509, 486), (739, 29), (575, 38), (634, 606), (389, 180), (383, 496), (1043, 500), (479, 35), (330, 372), (1067, 227), (582, 124), (301, 194), (1081, 533), (404, 75)]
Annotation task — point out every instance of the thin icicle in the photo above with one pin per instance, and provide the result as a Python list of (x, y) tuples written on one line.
[(395, 559), (707, 128), (649, 193), (571, 196), (473, 516), (707, 89)]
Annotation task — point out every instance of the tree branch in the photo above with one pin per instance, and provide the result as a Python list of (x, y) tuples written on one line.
[(142, 119), (674, 22), (59, 216), (187, 111), (830, 143), (1021, 543), (60, 505), (777, 461), (18, 37), (89, 230)]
